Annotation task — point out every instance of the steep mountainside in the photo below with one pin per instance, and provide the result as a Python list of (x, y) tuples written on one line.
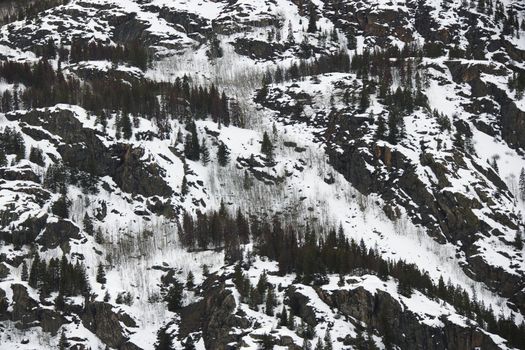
[(273, 174)]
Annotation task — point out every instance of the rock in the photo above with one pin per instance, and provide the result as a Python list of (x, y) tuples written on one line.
[(4, 271), (100, 319), (58, 234)]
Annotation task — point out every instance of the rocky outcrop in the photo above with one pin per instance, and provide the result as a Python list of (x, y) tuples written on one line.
[(81, 148), (216, 315), (58, 233), (105, 323), (382, 312), (26, 312)]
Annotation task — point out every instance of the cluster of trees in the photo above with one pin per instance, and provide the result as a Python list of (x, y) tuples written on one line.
[(216, 229), (31, 9), (57, 275), (312, 253), (58, 176), (11, 142), (133, 53), (46, 87)]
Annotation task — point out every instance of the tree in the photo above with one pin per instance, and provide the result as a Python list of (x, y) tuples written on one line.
[(223, 154), (125, 123), (518, 240), (174, 296), (190, 281), (283, 318), (184, 186), (205, 153), (34, 274), (189, 344), (312, 20), (271, 302), (267, 147), (163, 340), (25, 273), (522, 184), (87, 222), (62, 342), (381, 128), (3, 158), (290, 37), (101, 274), (247, 181), (61, 207)]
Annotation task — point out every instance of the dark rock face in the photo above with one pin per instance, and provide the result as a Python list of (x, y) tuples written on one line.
[(100, 318), (82, 149), (58, 233), (20, 174), (214, 315), (4, 271), (27, 312), (385, 314), (257, 49)]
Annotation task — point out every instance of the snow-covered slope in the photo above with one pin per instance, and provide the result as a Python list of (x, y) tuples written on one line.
[(326, 83)]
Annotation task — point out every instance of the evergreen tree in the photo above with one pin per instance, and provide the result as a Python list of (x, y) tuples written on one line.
[(205, 153), (271, 302), (223, 154), (125, 123), (518, 241), (61, 207), (101, 274), (163, 340), (381, 129), (247, 181), (522, 184), (25, 273), (174, 296), (34, 273), (184, 186), (283, 318), (190, 281), (87, 222), (290, 37), (312, 20), (62, 342), (189, 344), (3, 158), (267, 147)]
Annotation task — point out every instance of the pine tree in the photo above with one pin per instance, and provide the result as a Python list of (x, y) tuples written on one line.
[(518, 241), (174, 296), (125, 123), (184, 186), (163, 340), (381, 129), (312, 20), (3, 157), (270, 301), (247, 181), (34, 274), (283, 318), (87, 222), (223, 154), (189, 344), (522, 184), (101, 274), (205, 153), (290, 37), (61, 207), (62, 342), (267, 147), (190, 281), (25, 273)]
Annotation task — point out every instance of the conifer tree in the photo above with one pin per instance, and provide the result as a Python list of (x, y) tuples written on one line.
[(34, 274), (518, 241), (270, 301), (522, 184), (87, 222), (25, 274), (163, 340), (190, 281), (205, 153), (312, 20), (3, 158), (267, 147), (125, 123), (184, 186), (174, 296), (247, 181), (283, 318), (223, 154), (381, 129), (101, 274), (62, 342)]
